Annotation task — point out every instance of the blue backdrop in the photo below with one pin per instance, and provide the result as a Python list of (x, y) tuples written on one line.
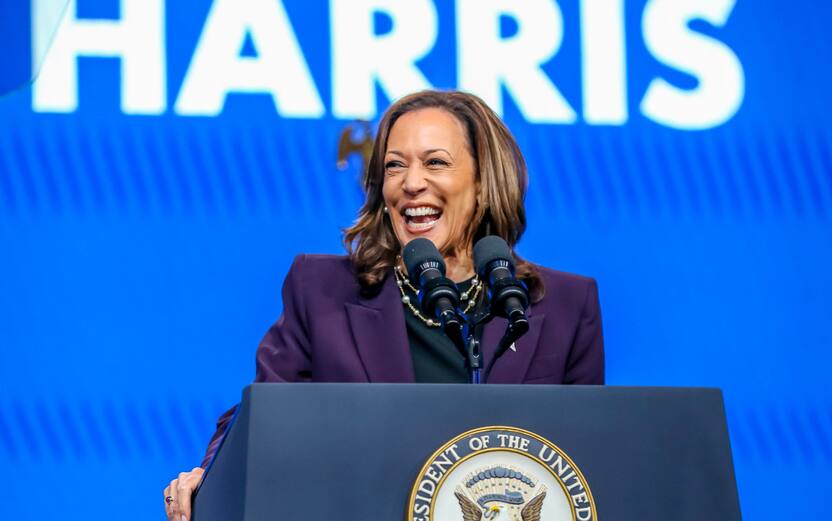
[(145, 234)]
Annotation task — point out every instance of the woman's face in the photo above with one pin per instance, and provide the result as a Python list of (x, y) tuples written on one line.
[(430, 183)]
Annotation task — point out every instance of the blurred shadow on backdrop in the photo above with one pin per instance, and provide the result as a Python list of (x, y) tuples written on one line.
[(23, 56)]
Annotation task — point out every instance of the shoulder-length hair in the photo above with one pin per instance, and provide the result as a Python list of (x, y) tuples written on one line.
[(501, 171)]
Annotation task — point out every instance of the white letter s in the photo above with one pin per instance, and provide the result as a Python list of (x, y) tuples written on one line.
[(721, 79)]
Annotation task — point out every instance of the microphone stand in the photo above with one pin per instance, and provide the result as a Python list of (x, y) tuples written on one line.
[(468, 346), (470, 342), (473, 355)]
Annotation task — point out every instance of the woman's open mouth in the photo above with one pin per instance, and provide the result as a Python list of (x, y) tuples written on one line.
[(420, 219)]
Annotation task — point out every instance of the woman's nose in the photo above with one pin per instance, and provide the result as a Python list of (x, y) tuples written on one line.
[(414, 180)]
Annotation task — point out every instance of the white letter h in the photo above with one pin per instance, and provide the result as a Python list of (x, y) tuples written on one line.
[(138, 39)]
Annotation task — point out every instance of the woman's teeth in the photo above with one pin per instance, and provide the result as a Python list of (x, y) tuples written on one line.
[(421, 210), (421, 217), (422, 225)]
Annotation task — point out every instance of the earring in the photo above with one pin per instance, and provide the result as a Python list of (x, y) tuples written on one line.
[(386, 210)]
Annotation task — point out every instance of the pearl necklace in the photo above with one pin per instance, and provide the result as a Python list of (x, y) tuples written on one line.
[(402, 282)]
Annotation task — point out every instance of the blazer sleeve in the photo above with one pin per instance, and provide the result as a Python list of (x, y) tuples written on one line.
[(585, 364), (283, 354)]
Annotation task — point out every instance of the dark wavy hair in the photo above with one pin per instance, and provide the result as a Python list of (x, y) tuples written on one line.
[(501, 171)]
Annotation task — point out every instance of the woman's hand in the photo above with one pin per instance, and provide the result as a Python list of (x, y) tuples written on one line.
[(178, 494)]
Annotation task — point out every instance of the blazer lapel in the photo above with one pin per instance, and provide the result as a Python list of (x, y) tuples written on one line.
[(512, 367), (380, 335)]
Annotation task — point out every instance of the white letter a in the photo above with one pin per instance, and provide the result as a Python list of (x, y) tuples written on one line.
[(279, 67)]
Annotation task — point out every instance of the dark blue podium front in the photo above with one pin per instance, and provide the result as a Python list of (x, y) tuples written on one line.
[(353, 451)]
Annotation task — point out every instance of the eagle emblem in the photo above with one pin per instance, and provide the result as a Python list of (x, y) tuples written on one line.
[(500, 493), (500, 473)]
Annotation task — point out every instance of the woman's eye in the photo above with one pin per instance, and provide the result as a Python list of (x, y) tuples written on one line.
[(392, 164), (437, 162)]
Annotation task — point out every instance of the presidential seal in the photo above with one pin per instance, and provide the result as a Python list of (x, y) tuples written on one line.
[(500, 474)]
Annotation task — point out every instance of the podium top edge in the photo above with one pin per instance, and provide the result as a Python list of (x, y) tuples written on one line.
[(492, 387)]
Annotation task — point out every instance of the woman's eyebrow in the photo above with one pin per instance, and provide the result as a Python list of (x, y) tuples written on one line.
[(432, 150), (425, 153)]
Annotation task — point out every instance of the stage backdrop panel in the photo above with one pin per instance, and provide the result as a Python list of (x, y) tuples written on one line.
[(171, 159)]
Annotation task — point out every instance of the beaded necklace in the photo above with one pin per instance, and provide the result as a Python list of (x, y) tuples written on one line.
[(403, 282)]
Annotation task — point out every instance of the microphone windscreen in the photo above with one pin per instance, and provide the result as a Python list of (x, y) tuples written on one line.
[(491, 248), (420, 254)]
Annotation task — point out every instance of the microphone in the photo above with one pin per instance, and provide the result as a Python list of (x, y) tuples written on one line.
[(495, 265), (508, 297), (438, 295)]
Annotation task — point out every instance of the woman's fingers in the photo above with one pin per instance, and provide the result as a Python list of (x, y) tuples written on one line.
[(182, 495), (165, 495), (188, 482), (180, 491), (171, 506)]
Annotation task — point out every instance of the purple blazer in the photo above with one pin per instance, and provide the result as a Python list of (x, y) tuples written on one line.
[(330, 333)]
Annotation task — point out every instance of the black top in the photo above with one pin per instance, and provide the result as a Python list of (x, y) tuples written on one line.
[(435, 357)]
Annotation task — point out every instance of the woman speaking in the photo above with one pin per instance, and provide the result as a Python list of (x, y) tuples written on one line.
[(445, 168)]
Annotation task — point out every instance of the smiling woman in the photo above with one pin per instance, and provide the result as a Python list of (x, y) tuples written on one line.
[(430, 183), (443, 168)]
